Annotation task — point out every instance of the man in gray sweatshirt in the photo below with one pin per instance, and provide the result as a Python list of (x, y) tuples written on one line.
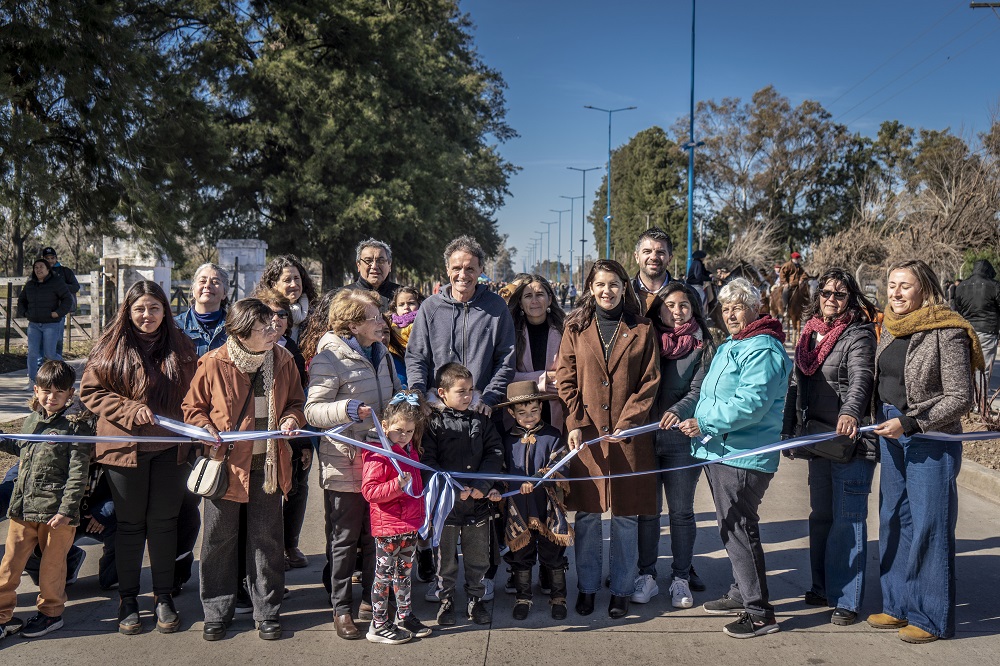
[(466, 323)]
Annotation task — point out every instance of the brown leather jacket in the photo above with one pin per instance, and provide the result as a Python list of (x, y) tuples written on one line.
[(791, 273), (217, 394)]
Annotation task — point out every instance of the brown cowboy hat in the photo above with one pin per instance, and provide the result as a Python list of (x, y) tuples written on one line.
[(518, 392)]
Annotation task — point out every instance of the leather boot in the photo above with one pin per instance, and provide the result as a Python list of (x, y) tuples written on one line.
[(522, 588), (167, 619), (345, 627), (557, 597)]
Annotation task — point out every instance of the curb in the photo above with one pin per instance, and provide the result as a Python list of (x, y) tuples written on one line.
[(983, 481)]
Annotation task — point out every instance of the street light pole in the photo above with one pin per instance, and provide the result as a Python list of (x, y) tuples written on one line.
[(572, 201), (583, 219), (691, 145), (607, 218), (559, 242), (548, 255), (538, 250)]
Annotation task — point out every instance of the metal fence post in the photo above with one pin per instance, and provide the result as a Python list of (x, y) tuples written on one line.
[(6, 330)]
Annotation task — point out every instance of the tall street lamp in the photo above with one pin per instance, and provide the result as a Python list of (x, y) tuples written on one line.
[(548, 255), (583, 220), (572, 201), (559, 241), (607, 218), (538, 250), (690, 146)]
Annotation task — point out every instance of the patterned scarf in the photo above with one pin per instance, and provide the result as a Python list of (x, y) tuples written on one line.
[(765, 325), (679, 341), (929, 318), (249, 362), (810, 360)]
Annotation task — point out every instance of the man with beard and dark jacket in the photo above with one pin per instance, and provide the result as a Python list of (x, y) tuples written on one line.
[(653, 252), (977, 298)]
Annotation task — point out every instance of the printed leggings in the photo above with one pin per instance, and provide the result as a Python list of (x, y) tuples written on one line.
[(393, 563)]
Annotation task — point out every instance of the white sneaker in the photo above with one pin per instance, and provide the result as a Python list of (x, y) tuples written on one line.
[(680, 594), (645, 589), (490, 588), (432, 592)]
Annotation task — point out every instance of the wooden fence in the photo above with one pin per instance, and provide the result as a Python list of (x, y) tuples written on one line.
[(85, 323)]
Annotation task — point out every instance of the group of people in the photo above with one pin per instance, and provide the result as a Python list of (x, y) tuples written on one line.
[(480, 385)]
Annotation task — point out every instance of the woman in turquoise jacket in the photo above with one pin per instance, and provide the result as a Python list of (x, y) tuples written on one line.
[(740, 408)]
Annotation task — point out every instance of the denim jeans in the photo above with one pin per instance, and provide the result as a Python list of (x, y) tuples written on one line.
[(679, 488), (589, 552), (42, 341), (838, 531), (918, 510)]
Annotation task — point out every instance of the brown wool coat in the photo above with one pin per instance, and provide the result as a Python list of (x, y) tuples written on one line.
[(116, 414), (217, 394), (601, 398)]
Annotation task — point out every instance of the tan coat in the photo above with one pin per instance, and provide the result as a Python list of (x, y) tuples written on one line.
[(337, 375), (601, 398), (521, 375), (217, 395)]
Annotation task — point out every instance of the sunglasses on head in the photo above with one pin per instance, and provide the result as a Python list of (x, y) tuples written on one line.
[(828, 294)]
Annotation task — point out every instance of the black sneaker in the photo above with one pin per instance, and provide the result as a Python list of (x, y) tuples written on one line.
[(749, 626), (446, 613), (425, 565), (477, 611), (414, 626), (695, 582), (39, 625), (724, 606), (388, 633), (11, 627)]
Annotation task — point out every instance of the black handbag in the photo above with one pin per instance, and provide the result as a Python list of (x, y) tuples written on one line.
[(839, 449)]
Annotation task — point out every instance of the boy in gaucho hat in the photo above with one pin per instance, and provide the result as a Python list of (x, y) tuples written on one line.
[(536, 526)]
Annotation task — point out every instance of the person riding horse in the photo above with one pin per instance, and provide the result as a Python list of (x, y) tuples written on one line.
[(789, 277)]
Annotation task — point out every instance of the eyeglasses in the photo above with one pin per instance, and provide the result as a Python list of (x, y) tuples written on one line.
[(280, 314), (375, 318), (368, 261), (826, 294), (266, 330)]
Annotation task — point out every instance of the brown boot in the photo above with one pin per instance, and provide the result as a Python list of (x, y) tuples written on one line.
[(912, 634), (345, 627), (885, 621)]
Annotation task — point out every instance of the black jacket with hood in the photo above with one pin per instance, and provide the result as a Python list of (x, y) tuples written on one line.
[(977, 298)]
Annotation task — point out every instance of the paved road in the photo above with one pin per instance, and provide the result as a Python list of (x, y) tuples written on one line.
[(652, 634)]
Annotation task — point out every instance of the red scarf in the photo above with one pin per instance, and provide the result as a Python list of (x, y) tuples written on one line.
[(679, 341), (765, 325), (810, 360)]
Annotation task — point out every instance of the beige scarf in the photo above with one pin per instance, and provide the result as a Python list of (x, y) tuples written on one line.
[(248, 363)]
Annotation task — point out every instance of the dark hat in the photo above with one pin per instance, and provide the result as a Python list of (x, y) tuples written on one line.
[(518, 392), (698, 254), (47, 251)]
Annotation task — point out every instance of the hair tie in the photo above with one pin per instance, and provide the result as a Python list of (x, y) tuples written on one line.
[(407, 396)]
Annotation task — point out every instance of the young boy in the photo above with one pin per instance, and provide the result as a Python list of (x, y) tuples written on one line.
[(459, 439), (45, 504), (537, 527)]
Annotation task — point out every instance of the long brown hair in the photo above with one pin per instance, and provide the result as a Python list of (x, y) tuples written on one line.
[(555, 317), (581, 318), (156, 374), (272, 272), (315, 326)]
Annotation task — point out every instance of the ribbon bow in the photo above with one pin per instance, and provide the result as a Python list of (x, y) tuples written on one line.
[(407, 396)]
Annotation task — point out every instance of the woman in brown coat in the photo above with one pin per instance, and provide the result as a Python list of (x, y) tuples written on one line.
[(140, 368), (250, 383), (607, 374)]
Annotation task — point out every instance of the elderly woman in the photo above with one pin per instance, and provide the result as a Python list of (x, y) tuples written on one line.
[(287, 275), (923, 379), (607, 375), (351, 380), (248, 384), (138, 370), (740, 409), (45, 301), (205, 321), (831, 390)]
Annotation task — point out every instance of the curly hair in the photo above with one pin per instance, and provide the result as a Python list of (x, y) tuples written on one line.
[(272, 272)]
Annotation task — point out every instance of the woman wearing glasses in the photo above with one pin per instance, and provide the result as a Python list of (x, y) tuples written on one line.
[(831, 390), (351, 380), (739, 409), (248, 384)]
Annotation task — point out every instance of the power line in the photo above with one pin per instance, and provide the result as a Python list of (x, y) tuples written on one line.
[(890, 58), (911, 68)]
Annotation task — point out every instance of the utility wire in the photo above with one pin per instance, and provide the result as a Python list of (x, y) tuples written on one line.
[(912, 67), (890, 58)]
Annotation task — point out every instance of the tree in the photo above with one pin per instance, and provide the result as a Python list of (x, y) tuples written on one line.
[(648, 189)]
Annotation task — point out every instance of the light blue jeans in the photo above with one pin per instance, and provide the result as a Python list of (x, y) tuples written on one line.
[(42, 345), (622, 554)]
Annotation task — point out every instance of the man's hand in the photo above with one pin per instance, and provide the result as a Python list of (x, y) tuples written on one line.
[(94, 527), (464, 495), (527, 488), (477, 494), (58, 520), (847, 425)]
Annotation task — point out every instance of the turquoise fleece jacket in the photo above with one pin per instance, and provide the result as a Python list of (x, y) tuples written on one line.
[(742, 401)]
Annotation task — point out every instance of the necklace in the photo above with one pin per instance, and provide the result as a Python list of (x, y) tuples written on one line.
[(609, 343)]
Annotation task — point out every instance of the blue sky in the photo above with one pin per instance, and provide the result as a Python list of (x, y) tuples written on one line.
[(558, 55)]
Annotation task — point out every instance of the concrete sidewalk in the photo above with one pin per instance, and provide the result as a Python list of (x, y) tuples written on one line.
[(14, 393), (652, 634)]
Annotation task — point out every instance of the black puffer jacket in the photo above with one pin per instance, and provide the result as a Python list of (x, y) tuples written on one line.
[(842, 385), (978, 298), (38, 300), (464, 442)]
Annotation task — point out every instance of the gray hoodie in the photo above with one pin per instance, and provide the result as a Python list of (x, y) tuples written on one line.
[(478, 334)]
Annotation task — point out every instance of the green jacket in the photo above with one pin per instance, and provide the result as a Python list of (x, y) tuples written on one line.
[(53, 476)]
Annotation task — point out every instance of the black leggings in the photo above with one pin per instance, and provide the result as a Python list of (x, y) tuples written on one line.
[(147, 500)]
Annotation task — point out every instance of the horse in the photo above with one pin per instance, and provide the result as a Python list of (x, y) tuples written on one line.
[(797, 301), (751, 273)]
